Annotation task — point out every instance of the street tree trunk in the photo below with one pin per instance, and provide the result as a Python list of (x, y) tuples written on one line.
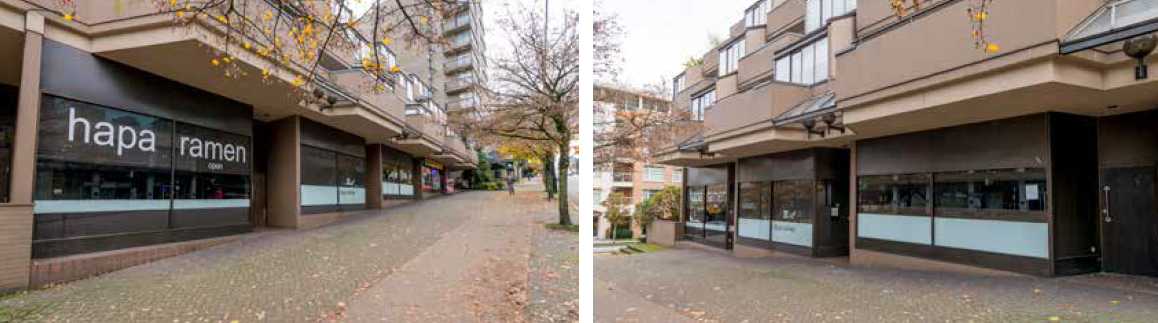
[(564, 164), (549, 174)]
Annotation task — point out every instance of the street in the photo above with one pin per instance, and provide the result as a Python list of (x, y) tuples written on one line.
[(468, 257), (690, 285)]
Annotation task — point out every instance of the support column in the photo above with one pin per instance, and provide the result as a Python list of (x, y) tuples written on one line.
[(16, 217), (284, 177), (852, 202), (374, 177)]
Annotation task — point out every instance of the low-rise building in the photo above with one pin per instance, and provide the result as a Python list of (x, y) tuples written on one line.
[(839, 128)]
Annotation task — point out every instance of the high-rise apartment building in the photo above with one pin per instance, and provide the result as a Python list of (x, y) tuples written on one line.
[(840, 128)]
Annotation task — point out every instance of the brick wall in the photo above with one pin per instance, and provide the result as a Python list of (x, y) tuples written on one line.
[(15, 245)]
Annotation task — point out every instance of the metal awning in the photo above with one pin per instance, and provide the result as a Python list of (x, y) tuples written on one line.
[(807, 109), (1115, 21)]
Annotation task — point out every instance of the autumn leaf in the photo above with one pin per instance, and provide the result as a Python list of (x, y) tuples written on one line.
[(992, 47), (68, 16), (1054, 318)]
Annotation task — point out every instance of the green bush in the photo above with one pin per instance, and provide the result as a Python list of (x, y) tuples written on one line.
[(556, 226)]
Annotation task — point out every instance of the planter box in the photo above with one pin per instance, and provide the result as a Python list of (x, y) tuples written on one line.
[(664, 232)]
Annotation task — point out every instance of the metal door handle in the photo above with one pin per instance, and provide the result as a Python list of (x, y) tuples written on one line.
[(1106, 208)]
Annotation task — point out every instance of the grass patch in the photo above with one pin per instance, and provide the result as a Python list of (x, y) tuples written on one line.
[(24, 313), (556, 226), (647, 247)]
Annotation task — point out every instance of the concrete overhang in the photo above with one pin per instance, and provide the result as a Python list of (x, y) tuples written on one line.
[(684, 158), (1090, 84), (363, 120), (773, 139), (416, 145)]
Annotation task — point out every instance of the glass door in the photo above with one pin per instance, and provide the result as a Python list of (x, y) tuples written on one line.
[(717, 216)]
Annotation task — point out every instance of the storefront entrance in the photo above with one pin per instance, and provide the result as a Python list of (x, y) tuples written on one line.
[(1129, 221)]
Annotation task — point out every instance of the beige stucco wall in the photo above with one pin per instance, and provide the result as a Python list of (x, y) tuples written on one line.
[(757, 105), (784, 16)]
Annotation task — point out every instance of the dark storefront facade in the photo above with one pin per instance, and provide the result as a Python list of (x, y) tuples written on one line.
[(1015, 195), (125, 158), (790, 202), (333, 170)]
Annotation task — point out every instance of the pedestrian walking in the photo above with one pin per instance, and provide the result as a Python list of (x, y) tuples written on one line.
[(511, 185)]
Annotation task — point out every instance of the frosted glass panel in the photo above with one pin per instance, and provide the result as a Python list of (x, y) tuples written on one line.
[(903, 228), (319, 195), (754, 228), (1030, 239), (793, 233)]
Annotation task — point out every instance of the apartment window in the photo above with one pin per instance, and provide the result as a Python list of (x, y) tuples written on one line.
[(702, 102), (648, 193), (676, 86), (730, 56), (653, 174), (677, 176), (819, 12), (807, 65), (757, 14)]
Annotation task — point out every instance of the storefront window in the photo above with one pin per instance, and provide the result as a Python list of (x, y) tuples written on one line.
[(998, 211), (716, 215), (1016, 194), (8, 102), (792, 216), (397, 180), (212, 169), (695, 207), (893, 194), (319, 179), (351, 181), (755, 211)]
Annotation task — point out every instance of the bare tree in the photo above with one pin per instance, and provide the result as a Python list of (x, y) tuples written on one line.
[(977, 10), (606, 48), (638, 133), (535, 92)]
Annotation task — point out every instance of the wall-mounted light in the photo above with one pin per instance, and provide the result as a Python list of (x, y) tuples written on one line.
[(830, 119), (810, 126), (1138, 48)]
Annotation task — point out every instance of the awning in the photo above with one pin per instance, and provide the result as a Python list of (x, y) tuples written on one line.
[(807, 109), (1115, 21)]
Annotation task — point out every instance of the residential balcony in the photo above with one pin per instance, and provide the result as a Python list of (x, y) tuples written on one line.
[(782, 18), (622, 178), (459, 43), (459, 85), (424, 137), (752, 108), (458, 64), (462, 104), (457, 24)]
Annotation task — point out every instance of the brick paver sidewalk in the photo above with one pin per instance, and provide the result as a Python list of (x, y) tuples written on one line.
[(714, 287), (290, 276)]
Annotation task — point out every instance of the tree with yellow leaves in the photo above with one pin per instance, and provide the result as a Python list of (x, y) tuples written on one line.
[(978, 11)]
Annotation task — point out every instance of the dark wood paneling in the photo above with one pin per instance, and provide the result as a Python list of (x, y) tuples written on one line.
[(704, 176), (318, 135), (72, 73), (1073, 185), (1128, 140), (1009, 143), (791, 165)]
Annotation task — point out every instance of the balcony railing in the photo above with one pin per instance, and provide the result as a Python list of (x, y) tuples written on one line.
[(460, 42), (456, 24), (458, 85), (459, 64), (468, 103), (622, 176)]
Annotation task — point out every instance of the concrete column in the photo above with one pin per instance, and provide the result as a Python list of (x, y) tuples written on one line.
[(27, 113), (374, 177), (16, 218), (283, 198), (852, 216)]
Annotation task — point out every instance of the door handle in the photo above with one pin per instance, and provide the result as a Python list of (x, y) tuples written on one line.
[(1106, 207)]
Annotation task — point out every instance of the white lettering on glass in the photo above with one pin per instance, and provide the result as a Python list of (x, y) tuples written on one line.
[(124, 138)]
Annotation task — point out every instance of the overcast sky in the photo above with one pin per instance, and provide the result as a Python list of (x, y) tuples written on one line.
[(659, 35), (497, 41)]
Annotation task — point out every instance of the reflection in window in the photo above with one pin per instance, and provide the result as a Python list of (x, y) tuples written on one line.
[(716, 208), (991, 193), (319, 177), (219, 190), (793, 201), (67, 187), (695, 206), (893, 194), (755, 211), (351, 180)]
